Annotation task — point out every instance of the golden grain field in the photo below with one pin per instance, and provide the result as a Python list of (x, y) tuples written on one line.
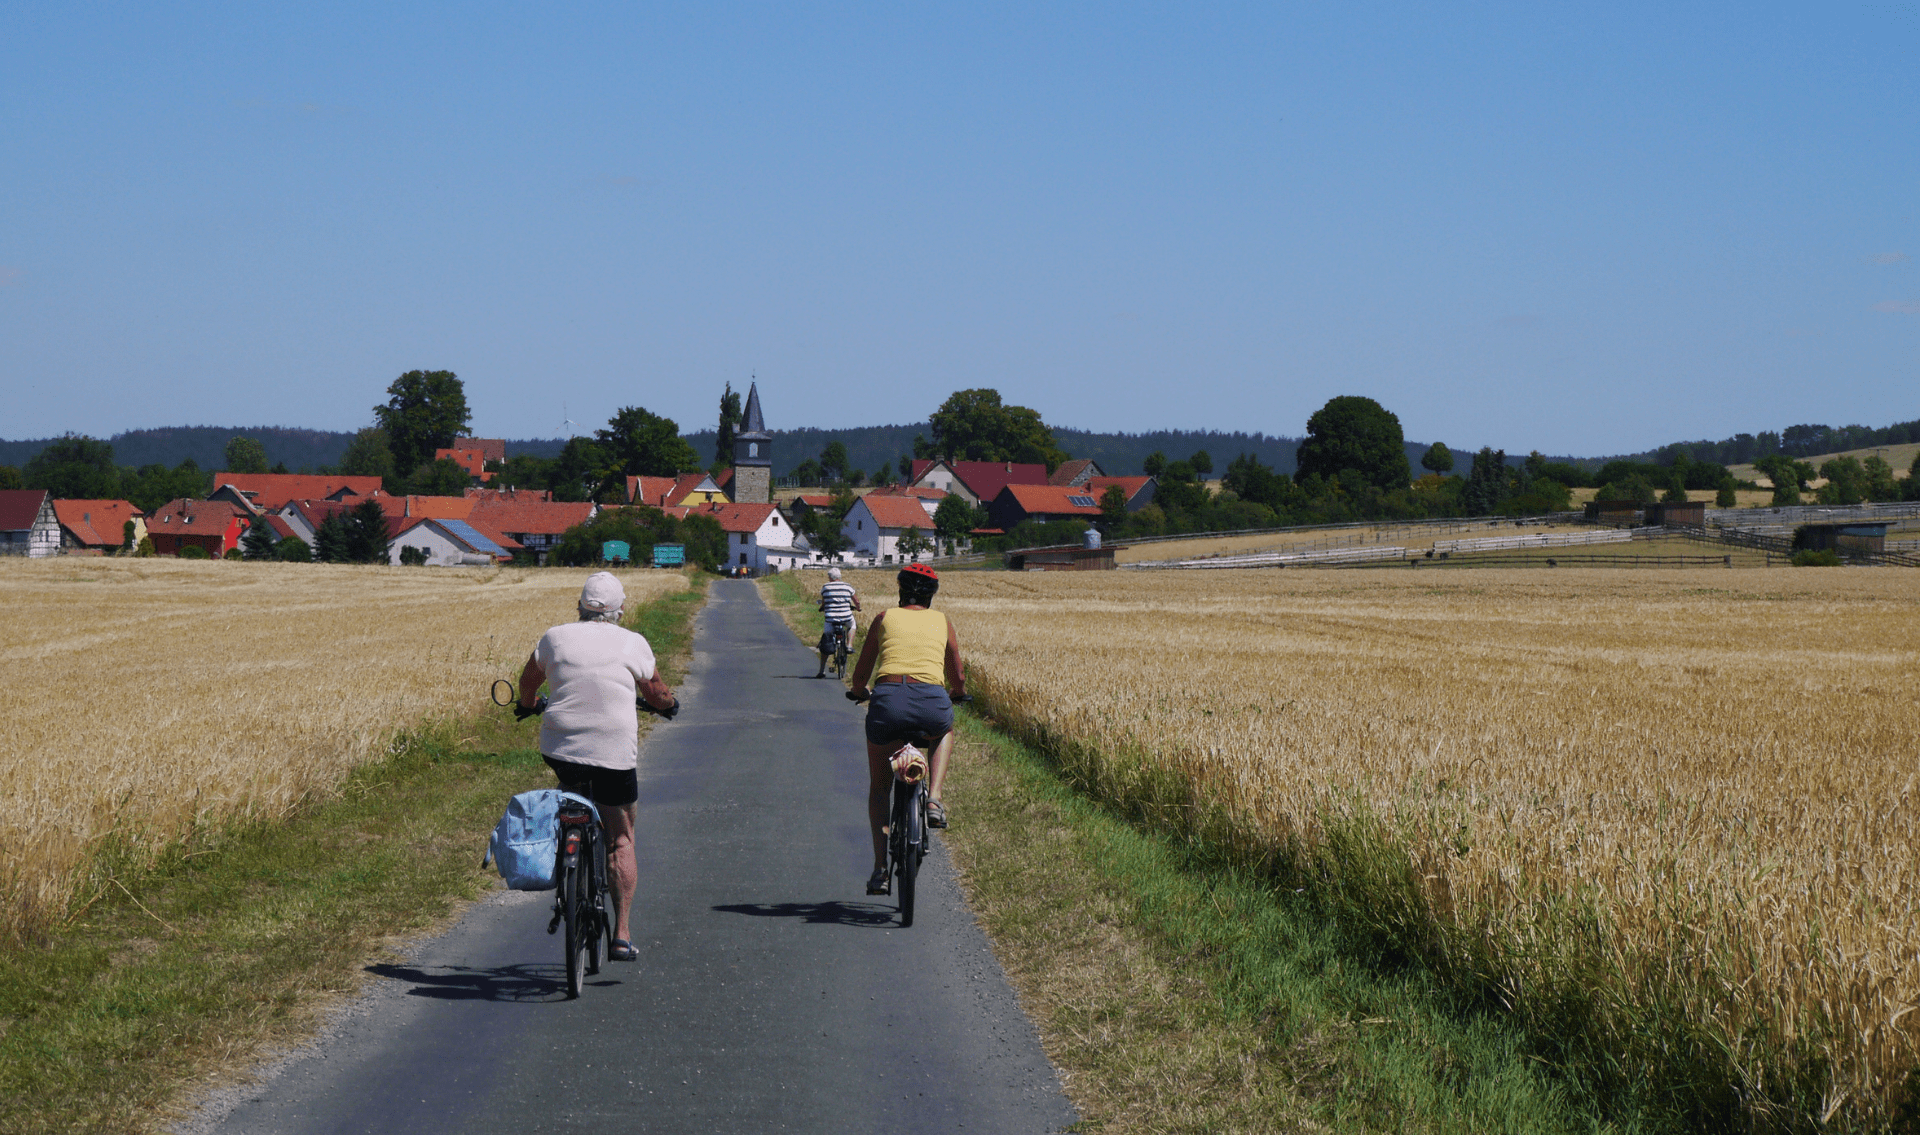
[(1677, 804), (146, 696)]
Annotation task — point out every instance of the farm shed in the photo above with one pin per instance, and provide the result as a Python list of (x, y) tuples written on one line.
[(1613, 512), (1062, 557), (28, 525), (1860, 538), (1692, 514)]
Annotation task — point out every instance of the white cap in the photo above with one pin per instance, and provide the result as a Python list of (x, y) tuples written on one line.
[(833, 573), (602, 593)]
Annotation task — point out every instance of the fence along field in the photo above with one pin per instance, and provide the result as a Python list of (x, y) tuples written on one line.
[(146, 697), (1668, 817)]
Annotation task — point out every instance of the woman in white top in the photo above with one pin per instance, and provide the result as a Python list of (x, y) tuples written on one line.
[(590, 736)]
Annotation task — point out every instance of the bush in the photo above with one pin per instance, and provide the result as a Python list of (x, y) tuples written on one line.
[(145, 547), (1810, 558), (194, 552), (411, 556), (233, 554), (293, 550)]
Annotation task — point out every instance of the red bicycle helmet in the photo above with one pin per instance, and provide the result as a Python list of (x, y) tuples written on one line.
[(921, 570)]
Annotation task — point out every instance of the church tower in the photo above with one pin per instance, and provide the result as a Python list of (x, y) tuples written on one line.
[(753, 456)]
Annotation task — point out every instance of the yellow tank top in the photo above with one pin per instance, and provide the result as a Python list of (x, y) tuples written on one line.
[(913, 643)]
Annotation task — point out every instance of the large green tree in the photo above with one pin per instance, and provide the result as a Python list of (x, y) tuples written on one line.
[(1438, 459), (1351, 434), (640, 443), (579, 471), (366, 533), (246, 455), (442, 478), (974, 425), (425, 411), (74, 467), (10, 478), (369, 455), (730, 415)]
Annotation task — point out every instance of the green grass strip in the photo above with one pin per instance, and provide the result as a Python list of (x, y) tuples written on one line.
[(175, 969)]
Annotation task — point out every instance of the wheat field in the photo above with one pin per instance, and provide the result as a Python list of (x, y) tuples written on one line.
[(1671, 810), (149, 696)]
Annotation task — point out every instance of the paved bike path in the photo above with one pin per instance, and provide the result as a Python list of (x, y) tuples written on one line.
[(771, 993)]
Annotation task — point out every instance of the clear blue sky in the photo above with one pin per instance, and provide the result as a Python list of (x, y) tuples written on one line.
[(1579, 228)]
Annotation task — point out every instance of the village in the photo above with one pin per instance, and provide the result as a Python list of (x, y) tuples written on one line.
[(492, 523)]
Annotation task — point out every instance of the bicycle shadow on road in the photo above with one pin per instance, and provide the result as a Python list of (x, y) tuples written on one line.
[(527, 983), (828, 913)]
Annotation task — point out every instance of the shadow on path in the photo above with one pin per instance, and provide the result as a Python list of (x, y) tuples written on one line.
[(832, 913), (527, 982)]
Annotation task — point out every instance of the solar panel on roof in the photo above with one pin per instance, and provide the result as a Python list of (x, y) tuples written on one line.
[(1081, 502)]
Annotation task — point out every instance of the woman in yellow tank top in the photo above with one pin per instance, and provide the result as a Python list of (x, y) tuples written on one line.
[(909, 662)]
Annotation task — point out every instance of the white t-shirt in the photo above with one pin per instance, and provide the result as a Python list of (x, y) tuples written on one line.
[(592, 669)]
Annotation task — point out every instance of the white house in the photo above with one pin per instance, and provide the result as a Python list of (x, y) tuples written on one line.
[(28, 524), (447, 543), (876, 523), (757, 537)]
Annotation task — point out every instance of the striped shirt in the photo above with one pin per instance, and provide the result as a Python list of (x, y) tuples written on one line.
[(836, 601)]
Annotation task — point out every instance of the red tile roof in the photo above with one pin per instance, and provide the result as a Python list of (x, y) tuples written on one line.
[(186, 517), (735, 517), (19, 508), (315, 512), (898, 512), (1128, 485), (491, 448), (274, 490), (281, 529), (655, 491), (924, 492), (986, 478), (477, 493), (1067, 471), (421, 508), (529, 517), (812, 500), (474, 461), (96, 523), (1054, 500)]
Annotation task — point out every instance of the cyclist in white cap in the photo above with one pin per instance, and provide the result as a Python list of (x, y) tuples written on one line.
[(838, 602), (590, 736)]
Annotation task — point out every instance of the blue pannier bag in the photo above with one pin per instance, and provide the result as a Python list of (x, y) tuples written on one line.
[(525, 841)]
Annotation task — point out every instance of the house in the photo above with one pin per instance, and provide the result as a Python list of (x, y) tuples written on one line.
[(1075, 472), (99, 525), (876, 523), (272, 491), (535, 525), (423, 507), (978, 481), (447, 542), (303, 518), (473, 461), (757, 538), (1138, 491), (489, 448), (213, 525), (808, 503), (697, 488), (509, 493), (28, 524), (655, 491), (1041, 504)]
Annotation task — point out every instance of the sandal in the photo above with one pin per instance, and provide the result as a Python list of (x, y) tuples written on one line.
[(936, 814), (878, 883), (621, 951)]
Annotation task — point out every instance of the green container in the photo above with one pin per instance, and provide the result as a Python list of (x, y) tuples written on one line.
[(612, 551), (669, 555)]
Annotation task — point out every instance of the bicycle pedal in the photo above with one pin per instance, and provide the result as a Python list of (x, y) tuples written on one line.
[(553, 925)]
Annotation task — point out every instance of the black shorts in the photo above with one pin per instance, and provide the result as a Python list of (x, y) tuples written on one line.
[(606, 787), (902, 710)]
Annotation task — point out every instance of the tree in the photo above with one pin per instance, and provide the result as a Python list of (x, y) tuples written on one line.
[(1726, 496), (74, 467), (833, 461), (1880, 483), (194, 552), (425, 411), (953, 517), (1674, 495), (292, 550), (1438, 459), (1155, 464), (246, 455), (640, 443), (1487, 486), (1113, 508), (330, 540), (578, 472), (1202, 463), (369, 455), (1359, 434), (443, 478), (973, 425), (1846, 481), (730, 415), (823, 532), (912, 544), (127, 530), (1789, 477), (884, 474), (1250, 480), (258, 543), (10, 478), (808, 472), (366, 533)]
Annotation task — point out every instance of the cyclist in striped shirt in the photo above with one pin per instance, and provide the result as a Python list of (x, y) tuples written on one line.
[(838, 603)]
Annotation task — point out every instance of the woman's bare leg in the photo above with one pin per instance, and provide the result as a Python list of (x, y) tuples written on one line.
[(879, 789)]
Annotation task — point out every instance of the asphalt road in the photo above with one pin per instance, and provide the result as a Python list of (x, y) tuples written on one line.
[(771, 993)]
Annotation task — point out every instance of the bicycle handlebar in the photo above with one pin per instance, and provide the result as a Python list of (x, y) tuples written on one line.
[(510, 699)]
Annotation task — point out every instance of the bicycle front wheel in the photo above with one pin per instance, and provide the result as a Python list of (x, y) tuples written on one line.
[(573, 906)]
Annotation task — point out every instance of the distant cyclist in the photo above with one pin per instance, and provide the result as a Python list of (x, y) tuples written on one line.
[(912, 656), (590, 735), (838, 602)]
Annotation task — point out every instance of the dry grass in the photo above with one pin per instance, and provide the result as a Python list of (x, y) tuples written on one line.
[(149, 697), (1411, 534), (1666, 817)]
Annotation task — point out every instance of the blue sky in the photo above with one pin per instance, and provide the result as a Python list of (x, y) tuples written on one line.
[(1584, 229)]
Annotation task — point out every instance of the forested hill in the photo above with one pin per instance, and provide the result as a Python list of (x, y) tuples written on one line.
[(869, 447), (206, 445)]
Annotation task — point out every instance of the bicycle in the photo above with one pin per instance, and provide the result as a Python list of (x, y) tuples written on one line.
[(909, 836), (841, 633), (579, 867)]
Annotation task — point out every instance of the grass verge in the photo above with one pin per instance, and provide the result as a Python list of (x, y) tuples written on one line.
[(172, 971), (1176, 992)]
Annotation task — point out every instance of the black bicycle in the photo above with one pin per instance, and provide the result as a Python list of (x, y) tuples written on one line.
[(841, 633), (579, 867), (909, 835)]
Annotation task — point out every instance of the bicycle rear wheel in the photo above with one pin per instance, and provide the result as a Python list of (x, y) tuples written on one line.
[(596, 905), (574, 908), (840, 655), (906, 853)]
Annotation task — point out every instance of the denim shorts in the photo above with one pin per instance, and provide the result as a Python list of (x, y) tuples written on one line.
[(902, 710)]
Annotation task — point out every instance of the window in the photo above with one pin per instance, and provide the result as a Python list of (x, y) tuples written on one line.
[(753, 449)]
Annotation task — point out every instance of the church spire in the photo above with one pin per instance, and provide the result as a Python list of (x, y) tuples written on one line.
[(753, 423)]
